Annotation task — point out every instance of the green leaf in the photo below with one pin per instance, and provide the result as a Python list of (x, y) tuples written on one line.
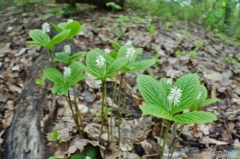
[(152, 92), (91, 63), (116, 65), (122, 52), (78, 156), (208, 101), (58, 38), (156, 111), (141, 65), (60, 89), (62, 57), (74, 27), (62, 26), (34, 43), (56, 27), (114, 44), (53, 75), (91, 151), (202, 95), (164, 83), (77, 56), (195, 117), (53, 136), (76, 74), (189, 84), (39, 37), (52, 157)]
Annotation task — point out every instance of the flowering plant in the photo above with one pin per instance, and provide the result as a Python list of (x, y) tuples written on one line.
[(166, 101)]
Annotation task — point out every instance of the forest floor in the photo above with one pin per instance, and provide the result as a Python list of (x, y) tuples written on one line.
[(141, 134)]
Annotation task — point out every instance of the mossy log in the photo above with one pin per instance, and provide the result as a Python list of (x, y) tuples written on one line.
[(99, 3)]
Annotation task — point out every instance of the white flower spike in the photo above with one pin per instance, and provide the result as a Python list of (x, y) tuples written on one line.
[(169, 81), (130, 53), (175, 96), (67, 49), (67, 71), (199, 95), (100, 61), (46, 27), (87, 157), (69, 20), (107, 51), (128, 42)]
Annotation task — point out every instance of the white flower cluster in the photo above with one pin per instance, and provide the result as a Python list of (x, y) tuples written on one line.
[(169, 81), (130, 53), (199, 95), (107, 51), (175, 96), (100, 61), (67, 49), (87, 157), (67, 71), (69, 20), (46, 27)]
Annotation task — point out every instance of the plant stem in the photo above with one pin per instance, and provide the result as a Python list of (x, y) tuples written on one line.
[(79, 113), (176, 141), (161, 131), (114, 93), (165, 138), (51, 56), (119, 110), (103, 98), (73, 113)]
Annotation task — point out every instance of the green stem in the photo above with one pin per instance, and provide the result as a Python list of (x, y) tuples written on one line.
[(73, 113), (119, 110), (51, 56), (114, 93), (103, 98), (161, 131), (165, 138), (176, 141), (79, 113)]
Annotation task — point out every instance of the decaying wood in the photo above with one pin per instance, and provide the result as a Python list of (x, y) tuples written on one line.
[(24, 139), (100, 3)]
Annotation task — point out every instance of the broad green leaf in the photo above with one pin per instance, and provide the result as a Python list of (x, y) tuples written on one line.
[(53, 75), (141, 65), (90, 151), (116, 65), (122, 52), (92, 67), (165, 84), (189, 84), (62, 57), (34, 43), (56, 27), (156, 111), (52, 157), (78, 156), (60, 89), (114, 44), (195, 117), (74, 27), (62, 26), (152, 92), (202, 95), (77, 56), (208, 101), (76, 74), (58, 38), (39, 37)]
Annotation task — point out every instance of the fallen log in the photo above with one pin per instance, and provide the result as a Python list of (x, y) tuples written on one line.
[(99, 3), (24, 138)]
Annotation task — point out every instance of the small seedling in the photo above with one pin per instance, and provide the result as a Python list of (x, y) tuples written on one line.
[(54, 136), (89, 152), (192, 54), (151, 29), (198, 44), (52, 157), (114, 6), (168, 25), (178, 53)]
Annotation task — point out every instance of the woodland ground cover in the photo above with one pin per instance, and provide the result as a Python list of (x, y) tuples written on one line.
[(179, 50)]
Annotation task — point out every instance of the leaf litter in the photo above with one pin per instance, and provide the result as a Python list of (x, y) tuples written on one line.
[(139, 135)]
